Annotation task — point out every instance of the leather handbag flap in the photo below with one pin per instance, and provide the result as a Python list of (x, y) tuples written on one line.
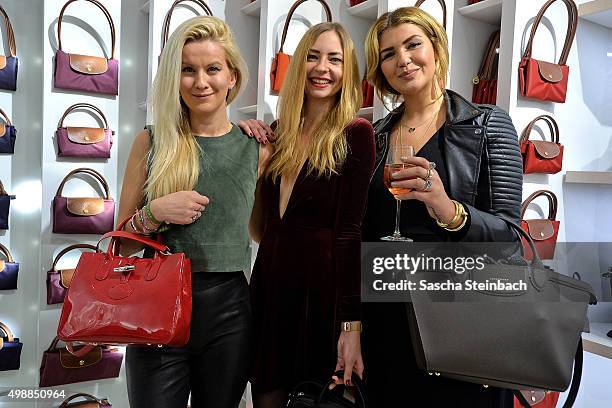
[(550, 72), (2, 129), (2, 61), (545, 149), (68, 360), (540, 230), (85, 135), (85, 206), (66, 277), (87, 64)]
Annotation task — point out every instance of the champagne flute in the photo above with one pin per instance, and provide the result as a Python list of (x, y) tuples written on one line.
[(393, 164)]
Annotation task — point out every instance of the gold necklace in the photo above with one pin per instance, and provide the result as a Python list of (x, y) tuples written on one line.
[(418, 139), (411, 129)]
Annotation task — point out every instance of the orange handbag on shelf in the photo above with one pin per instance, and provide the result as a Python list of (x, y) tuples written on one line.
[(543, 231), (542, 156), (281, 61), (485, 83), (442, 4), (543, 80)]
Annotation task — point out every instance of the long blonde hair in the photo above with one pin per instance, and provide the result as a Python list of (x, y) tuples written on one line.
[(411, 15), (175, 155), (329, 147)]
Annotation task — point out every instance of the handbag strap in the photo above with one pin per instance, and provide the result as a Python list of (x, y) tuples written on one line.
[(84, 170), (486, 65), (88, 397), (166, 24), (7, 331), (552, 203), (108, 18), (576, 378), (442, 4), (6, 118), (70, 248), (6, 253), (359, 387), (9, 33), (295, 5), (83, 105), (552, 125), (572, 23)]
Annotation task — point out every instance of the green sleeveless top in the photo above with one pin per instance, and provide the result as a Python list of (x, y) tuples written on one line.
[(219, 240)]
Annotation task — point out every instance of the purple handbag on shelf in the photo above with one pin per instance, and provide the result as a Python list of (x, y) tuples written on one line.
[(8, 133), (89, 402), (59, 366), (84, 72), (58, 280), (9, 270), (8, 64), (85, 142), (10, 349), (83, 215)]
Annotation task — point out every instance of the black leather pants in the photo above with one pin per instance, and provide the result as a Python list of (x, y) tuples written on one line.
[(214, 364)]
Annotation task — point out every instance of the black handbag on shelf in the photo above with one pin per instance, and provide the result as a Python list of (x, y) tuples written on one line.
[(10, 349), (313, 394), (489, 337)]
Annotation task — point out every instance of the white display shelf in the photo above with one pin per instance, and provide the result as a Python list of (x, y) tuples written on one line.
[(487, 11), (252, 9), (367, 9), (597, 11), (589, 177), (597, 341), (366, 113), (248, 109)]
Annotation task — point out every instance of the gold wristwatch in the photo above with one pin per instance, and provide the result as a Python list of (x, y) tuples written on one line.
[(350, 326)]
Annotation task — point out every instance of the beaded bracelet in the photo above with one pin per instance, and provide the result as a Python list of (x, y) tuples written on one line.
[(143, 222)]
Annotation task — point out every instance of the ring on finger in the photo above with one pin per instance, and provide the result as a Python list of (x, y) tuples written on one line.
[(427, 185), (429, 173), (432, 165)]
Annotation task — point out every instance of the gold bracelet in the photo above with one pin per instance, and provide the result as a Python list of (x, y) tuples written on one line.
[(462, 213), (350, 326), (455, 218)]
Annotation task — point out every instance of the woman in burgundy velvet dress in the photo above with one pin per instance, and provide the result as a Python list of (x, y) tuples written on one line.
[(307, 219)]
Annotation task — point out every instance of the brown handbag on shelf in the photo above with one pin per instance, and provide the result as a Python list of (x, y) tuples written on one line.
[(543, 232), (485, 82), (166, 24), (542, 156), (442, 4), (281, 61), (543, 80)]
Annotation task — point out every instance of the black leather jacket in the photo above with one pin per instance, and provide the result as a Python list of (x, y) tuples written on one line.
[(484, 164)]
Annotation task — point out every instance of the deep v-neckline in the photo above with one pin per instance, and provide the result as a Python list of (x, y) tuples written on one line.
[(281, 216)]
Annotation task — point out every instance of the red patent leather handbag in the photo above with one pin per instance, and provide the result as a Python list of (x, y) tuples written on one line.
[(542, 156), (543, 232), (538, 399), (543, 80), (114, 299)]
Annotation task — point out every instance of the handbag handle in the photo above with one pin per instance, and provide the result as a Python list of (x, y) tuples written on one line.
[(2, 190), (7, 331), (108, 18), (6, 118), (88, 397), (166, 24), (442, 4), (6, 253), (359, 386), (552, 203), (9, 33), (70, 248), (295, 5), (552, 125), (115, 245), (85, 170), (83, 105), (572, 23)]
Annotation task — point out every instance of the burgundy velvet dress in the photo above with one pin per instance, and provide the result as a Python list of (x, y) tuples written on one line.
[(306, 279)]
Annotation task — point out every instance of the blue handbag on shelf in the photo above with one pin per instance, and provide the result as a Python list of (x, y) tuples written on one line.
[(8, 64), (5, 204), (10, 349), (8, 133), (8, 270)]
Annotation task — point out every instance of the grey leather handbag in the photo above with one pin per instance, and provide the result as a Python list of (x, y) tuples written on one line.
[(488, 337)]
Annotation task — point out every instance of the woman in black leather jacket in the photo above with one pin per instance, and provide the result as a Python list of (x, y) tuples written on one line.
[(465, 177)]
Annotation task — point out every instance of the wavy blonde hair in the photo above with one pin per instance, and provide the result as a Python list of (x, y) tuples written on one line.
[(175, 155), (405, 15), (329, 147)]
